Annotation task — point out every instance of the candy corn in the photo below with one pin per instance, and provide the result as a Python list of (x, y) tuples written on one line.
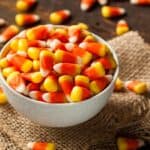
[(102, 2), (79, 93), (136, 86), (26, 19), (95, 71), (25, 5), (8, 33), (37, 95), (109, 11), (129, 144), (122, 27), (7, 71), (46, 62), (59, 16), (2, 22), (41, 146), (35, 77), (67, 68), (119, 85), (4, 62), (37, 43), (83, 26), (98, 85), (86, 4), (140, 2), (32, 87), (66, 83), (67, 57), (54, 97), (38, 33), (83, 54), (16, 81), (3, 98), (50, 84), (21, 63), (36, 65), (82, 80), (94, 48), (34, 53)]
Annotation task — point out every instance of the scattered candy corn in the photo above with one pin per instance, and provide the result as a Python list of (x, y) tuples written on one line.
[(122, 27), (109, 11), (86, 4), (83, 93), (2, 22), (41, 146), (136, 86), (26, 19), (59, 16), (8, 33), (3, 98), (119, 85), (129, 144), (140, 2), (25, 5), (102, 2)]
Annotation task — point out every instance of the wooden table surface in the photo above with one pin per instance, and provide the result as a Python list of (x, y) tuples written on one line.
[(138, 17)]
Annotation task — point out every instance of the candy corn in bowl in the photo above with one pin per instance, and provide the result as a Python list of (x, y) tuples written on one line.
[(58, 76)]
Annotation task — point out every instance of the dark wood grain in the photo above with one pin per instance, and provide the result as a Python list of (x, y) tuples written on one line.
[(138, 17)]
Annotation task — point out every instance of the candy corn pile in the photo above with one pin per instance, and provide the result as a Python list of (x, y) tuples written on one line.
[(58, 65)]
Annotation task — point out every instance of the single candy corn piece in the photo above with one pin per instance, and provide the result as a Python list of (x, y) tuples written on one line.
[(21, 63), (122, 27), (95, 48), (58, 17), (119, 85), (33, 53), (3, 98), (38, 33), (14, 45), (36, 65), (35, 77), (50, 84), (109, 11), (37, 43), (140, 2), (89, 38), (75, 34), (67, 68), (7, 71), (79, 93), (129, 144), (4, 62), (54, 97), (55, 44), (136, 86), (46, 62), (98, 85), (108, 62), (8, 33), (66, 83), (60, 34), (32, 86), (86, 4), (16, 81), (95, 71), (2, 22), (66, 57), (41, 146), (85, 55), (36, 94), (102, 2), (25, 5), (26, 19), (81, 80)]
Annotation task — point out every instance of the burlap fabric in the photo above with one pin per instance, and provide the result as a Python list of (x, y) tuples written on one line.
[(126, 114)]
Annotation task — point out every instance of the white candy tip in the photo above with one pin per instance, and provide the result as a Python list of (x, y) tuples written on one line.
[(30, 145), (44, 73), (134, 1), (127, 83), (69, 46), (102, 2), (20, 88), (122, 22), (122, 11), (82, 45), (109, 77), (46, 97), (2, 22), (84, 7), (2, 39), (73, 39), (67, 12), (57, 67), (37, 17)]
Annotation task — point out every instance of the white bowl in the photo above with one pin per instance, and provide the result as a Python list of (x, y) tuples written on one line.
[(59, 115)]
